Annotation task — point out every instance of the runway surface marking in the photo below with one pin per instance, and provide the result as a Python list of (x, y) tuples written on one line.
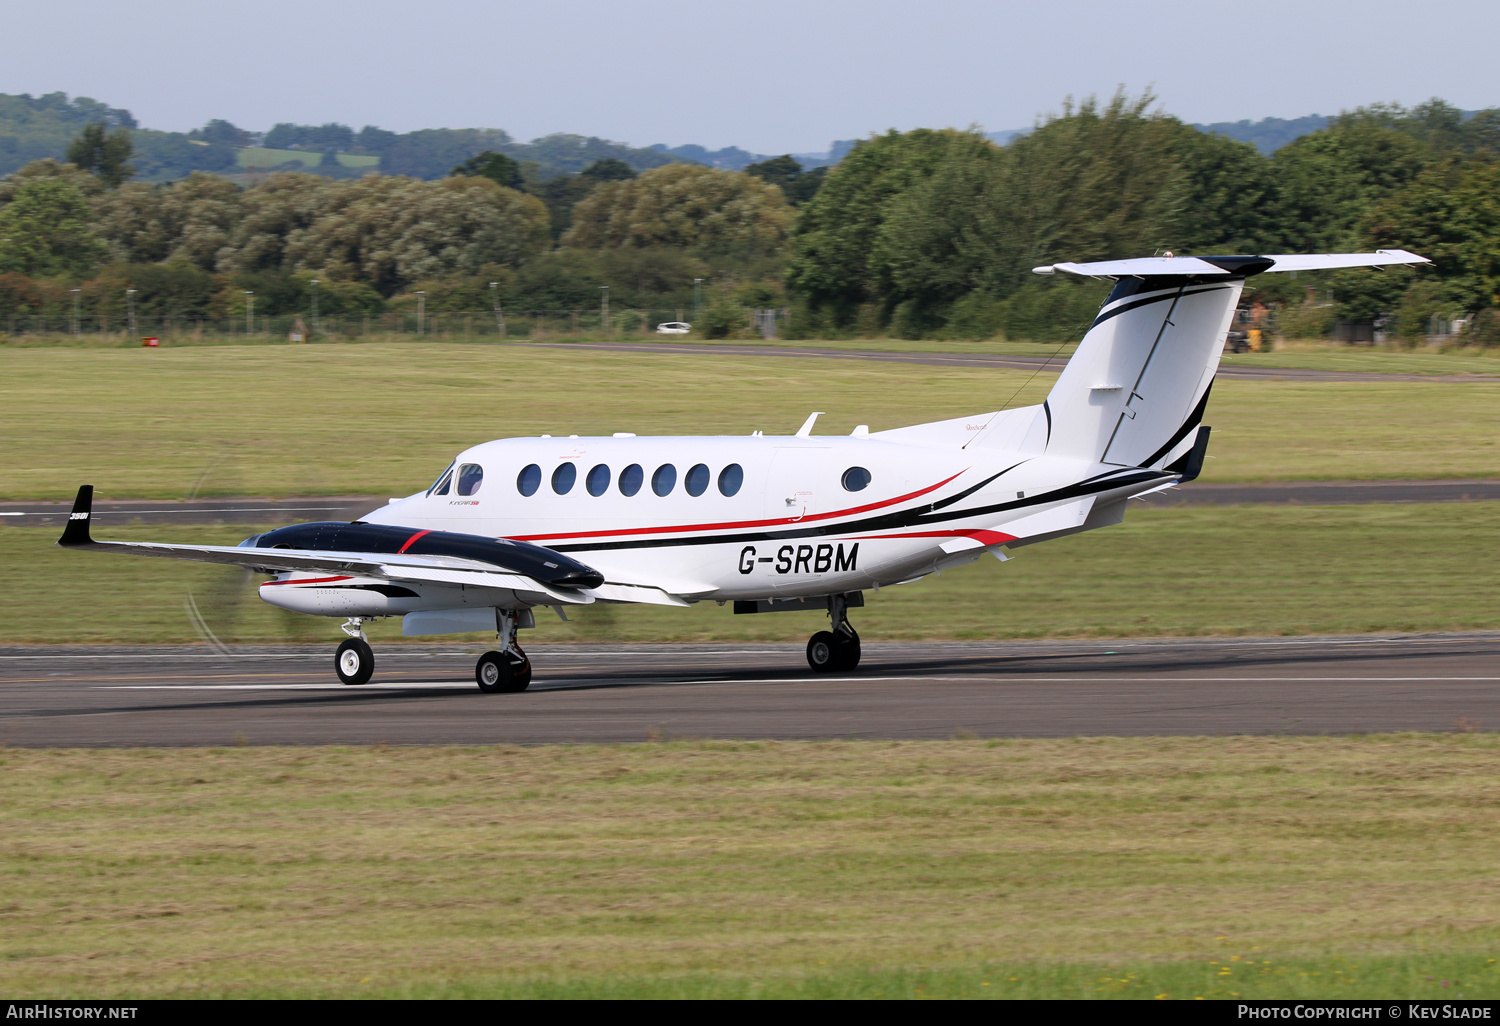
[(1115, 679)]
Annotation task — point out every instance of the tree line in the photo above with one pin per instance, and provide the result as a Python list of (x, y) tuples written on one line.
[(926, 233), (933, 233)]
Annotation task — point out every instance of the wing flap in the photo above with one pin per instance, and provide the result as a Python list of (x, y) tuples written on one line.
[(635, 593)]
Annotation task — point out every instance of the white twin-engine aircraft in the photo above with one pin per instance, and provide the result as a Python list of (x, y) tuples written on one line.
[(772, 522)]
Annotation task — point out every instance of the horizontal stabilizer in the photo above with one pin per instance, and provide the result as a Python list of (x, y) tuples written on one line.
[(1232, 266)]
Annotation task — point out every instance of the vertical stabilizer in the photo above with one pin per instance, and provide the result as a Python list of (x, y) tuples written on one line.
[(1137, 387)]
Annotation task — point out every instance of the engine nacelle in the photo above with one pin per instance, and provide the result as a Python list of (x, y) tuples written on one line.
[(322, 594)]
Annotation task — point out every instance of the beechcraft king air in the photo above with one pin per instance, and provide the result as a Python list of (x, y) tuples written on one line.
[(772, 523)]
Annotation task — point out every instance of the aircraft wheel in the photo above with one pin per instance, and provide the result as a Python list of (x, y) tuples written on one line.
[(823, 652), (847, 648), (496, 674), (354, 661), (522, 671)]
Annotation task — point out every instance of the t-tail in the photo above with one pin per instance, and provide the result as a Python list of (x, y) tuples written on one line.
[(1135, 392)]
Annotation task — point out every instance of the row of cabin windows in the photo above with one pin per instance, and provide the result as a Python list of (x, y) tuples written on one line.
[(663, 480), (596, 481)]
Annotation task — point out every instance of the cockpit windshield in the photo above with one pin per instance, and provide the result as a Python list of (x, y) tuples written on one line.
[(440, 486)]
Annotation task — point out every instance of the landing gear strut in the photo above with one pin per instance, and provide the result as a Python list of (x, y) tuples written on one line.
[(355, 660), (508, 670), (836, 650)]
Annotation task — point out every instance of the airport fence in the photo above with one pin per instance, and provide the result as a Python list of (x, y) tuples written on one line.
[(518, 325)]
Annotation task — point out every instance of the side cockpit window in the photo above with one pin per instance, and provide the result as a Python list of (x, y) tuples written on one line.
[(470, 477), (440, 486)]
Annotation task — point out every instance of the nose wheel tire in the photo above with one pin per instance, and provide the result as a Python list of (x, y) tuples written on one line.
[(497, 674), (354, 661)]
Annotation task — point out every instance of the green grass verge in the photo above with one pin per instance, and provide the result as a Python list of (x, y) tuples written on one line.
[(1176, 867), (1186, 571), (385, 418), (252, 157), (1380, 361)]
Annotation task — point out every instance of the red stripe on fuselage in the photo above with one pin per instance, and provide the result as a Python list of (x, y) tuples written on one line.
[(309, 580), (410, 540), (736, 525), (987, 537)]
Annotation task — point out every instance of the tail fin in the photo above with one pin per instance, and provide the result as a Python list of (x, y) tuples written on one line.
[(1136, 389)]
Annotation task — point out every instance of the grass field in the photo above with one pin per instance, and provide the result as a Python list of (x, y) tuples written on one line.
[(385, 418), (1193, 571), (1180, 868), (252, 157)]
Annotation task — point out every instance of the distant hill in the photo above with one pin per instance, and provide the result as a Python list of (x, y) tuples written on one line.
[(1268, 134), (35, 127)]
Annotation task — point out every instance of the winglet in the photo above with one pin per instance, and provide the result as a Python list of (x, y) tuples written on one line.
[(77, 531)]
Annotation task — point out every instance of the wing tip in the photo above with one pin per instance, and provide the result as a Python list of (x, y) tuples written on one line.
[(76, 532)]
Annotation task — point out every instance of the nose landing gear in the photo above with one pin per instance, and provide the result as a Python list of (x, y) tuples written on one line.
[(836, 650)]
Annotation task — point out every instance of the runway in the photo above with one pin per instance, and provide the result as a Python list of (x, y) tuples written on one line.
[(79, 697), (991, 361)]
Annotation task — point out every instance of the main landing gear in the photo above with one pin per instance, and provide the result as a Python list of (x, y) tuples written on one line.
[(508, 670), (355, 659), (836, 650)]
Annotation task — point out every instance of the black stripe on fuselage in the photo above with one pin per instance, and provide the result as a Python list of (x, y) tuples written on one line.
[(917, 516)]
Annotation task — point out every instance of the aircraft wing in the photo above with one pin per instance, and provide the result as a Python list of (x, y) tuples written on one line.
[(393, 566)]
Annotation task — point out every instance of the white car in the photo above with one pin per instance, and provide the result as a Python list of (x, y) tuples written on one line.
[(674, 328)]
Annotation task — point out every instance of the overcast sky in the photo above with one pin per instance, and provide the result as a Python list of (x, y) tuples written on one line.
[(771, 76)]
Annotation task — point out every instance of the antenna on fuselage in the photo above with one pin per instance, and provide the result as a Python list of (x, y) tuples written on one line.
[(805, 430)]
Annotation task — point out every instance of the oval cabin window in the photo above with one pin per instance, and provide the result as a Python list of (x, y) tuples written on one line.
[(631, 478), (563, 478), (856, 479), (598, 480), (730, 479), (529, 480), (470, 477), (664, 480), (697, 479)]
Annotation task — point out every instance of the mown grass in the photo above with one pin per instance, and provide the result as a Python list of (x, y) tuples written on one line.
[(1176, 571), (385, 418), (1331, 357), (1176, 867)]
